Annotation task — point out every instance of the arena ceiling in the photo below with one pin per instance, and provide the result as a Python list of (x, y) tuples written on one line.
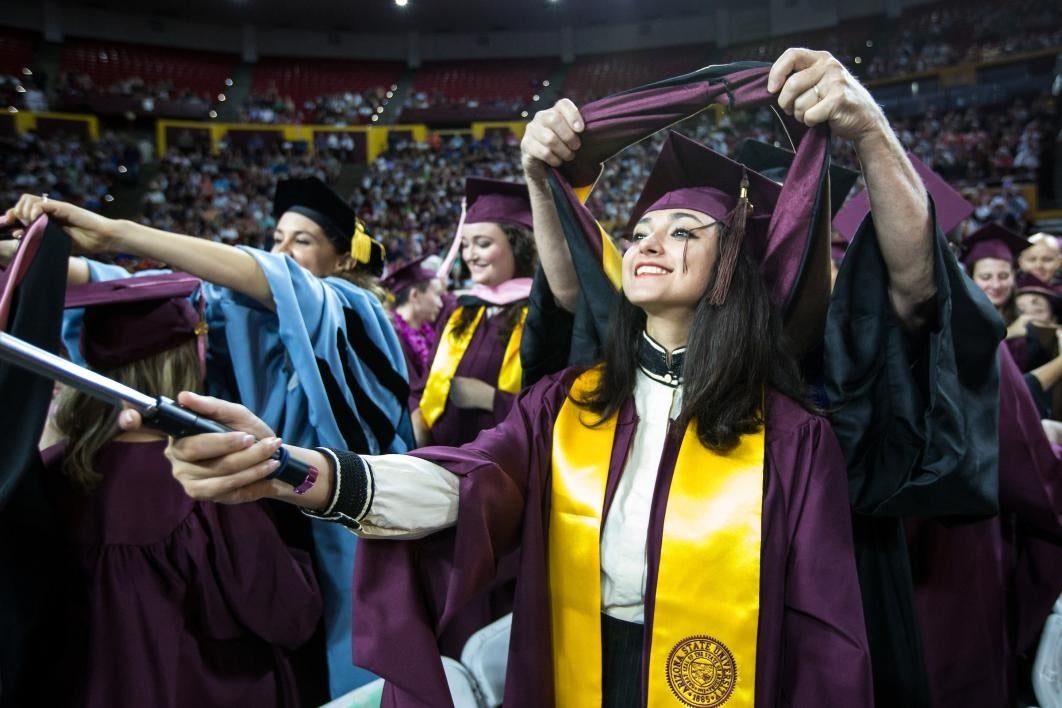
[(420, 15)]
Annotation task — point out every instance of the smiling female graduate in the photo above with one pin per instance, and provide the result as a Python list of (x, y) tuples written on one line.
[(475, 370), (681, 515)]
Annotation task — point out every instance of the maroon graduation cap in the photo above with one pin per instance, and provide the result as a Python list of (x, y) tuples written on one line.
[(689, 175), (951, 207), (133, 318), (992, 241), (1029, 284), (412, 273), (497, 201)]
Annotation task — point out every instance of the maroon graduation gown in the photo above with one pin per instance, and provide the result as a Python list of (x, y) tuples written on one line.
[(985, 588), (482, 360), (812, 647), (180, 603)]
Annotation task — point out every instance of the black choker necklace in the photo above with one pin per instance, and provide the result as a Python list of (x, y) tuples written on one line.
[(658, 364)]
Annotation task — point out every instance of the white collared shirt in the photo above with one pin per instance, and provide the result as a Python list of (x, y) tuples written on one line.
[(414, 497)]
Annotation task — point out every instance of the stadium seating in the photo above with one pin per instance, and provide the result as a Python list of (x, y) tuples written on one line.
[(16, 51), (108, 64), (305, 80), (598, 75), (483, 90)]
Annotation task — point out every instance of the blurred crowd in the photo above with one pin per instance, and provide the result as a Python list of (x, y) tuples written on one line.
[(347, 108), (438, 99), (69, 167), (227, 196), (410, 195), (75, 85)]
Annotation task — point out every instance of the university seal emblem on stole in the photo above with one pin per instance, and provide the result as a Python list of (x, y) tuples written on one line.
[(701, 672)]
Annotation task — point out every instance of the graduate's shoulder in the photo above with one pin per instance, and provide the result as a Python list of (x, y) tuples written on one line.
[(787, 417)]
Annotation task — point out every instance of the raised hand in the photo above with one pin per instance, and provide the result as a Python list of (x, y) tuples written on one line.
[(90, 232), (814, 87), (551, 138)]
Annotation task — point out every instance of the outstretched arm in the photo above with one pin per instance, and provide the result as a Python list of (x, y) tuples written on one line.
[(815, 88), (550, 140), (409, 497), (214, 262)]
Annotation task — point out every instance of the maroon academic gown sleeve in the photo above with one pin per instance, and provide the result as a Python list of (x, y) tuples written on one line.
[(815, 652), (812, 642)]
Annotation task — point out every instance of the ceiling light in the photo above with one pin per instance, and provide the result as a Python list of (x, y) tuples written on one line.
[(401, 3), (122, 169), (228, 82), (26, 71), (375, 117), (221, 97), (213, 114), (535, 98), (858, 60), (523, 114), (545, 84), (12, 109)]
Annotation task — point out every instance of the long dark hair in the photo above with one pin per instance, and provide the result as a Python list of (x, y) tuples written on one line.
[(522, 243), (735, 350)]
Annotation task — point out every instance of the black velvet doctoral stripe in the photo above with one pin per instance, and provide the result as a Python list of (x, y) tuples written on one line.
[(346, 419), (377, 421), (376, 359)]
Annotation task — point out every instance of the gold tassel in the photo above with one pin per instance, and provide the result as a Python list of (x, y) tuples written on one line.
[(361, 244), (731, 247)]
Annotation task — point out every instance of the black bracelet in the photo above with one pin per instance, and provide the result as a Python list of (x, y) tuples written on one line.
[(352, 491)]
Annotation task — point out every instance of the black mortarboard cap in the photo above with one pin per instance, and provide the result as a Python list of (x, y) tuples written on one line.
[(315, 200)]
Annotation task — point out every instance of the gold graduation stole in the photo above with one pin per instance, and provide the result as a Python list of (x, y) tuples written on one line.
[(706, 612), (448, 356)]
